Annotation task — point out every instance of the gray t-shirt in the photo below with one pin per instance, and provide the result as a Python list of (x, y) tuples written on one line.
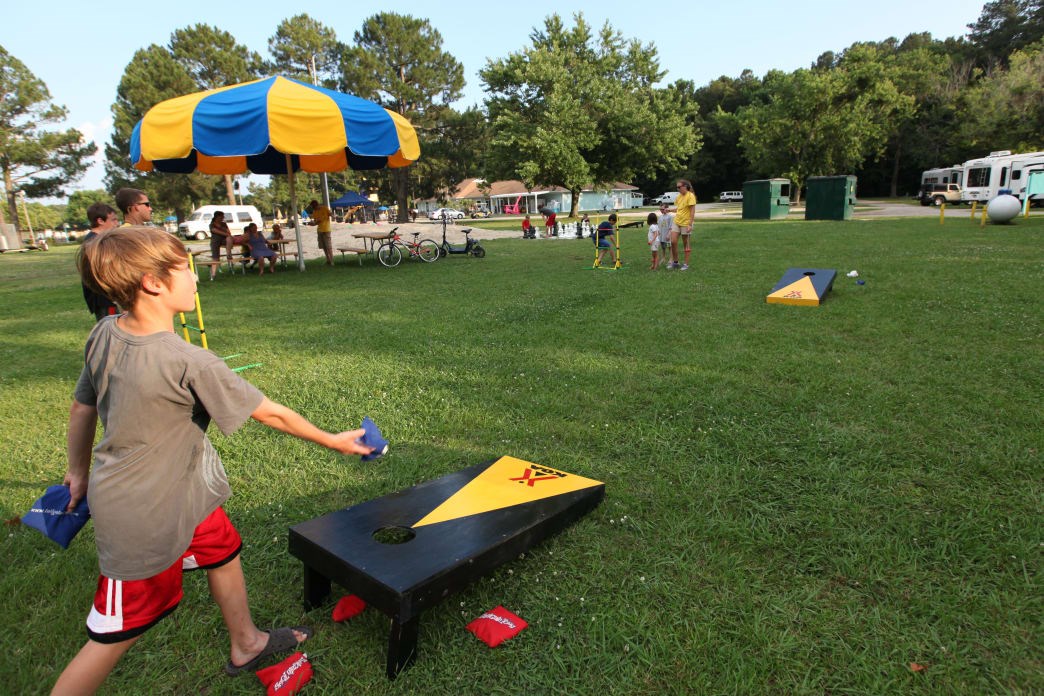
[(155, 475), (665, 223)]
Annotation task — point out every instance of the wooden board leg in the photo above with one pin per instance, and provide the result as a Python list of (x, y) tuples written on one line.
[(316, 588), (402, 645)]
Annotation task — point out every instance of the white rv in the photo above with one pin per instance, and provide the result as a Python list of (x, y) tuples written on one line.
[(1021, 167), (943, 175), (986, 177)]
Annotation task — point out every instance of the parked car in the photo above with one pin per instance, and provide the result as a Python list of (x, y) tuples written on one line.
[(730, 196), (669, 198), (937, 194), (448, 213)]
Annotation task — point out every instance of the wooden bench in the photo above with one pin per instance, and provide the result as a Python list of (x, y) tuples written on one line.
[(358, 251), (215, 263), (284, 254)]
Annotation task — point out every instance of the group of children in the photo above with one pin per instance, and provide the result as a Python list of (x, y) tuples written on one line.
[(660, 236)]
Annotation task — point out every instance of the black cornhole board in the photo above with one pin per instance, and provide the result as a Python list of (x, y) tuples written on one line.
[(401, 580)]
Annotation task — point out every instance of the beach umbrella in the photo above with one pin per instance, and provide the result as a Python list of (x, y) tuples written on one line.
[(272, 126)]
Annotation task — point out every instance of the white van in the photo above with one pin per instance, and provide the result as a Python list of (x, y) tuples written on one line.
[(730, 196), (669, 198), (197, 226)]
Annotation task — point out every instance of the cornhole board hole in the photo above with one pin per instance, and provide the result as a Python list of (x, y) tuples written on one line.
[(407, 551), (802, 286)]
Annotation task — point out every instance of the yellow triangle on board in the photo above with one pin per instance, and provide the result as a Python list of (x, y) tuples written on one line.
[(506, 483), (800, 292)]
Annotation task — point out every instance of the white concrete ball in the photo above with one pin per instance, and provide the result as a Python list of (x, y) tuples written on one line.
[(1003, 208)]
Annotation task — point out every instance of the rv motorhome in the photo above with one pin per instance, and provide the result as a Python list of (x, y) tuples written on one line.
[(1021, 167), (986, 177)]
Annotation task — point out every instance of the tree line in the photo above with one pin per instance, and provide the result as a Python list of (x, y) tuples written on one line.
[(576, 106)]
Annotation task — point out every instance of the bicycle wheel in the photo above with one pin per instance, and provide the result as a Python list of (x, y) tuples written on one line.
[(428, 250), (389, 255)]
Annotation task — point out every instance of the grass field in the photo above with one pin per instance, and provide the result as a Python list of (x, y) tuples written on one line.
[(799, 500)]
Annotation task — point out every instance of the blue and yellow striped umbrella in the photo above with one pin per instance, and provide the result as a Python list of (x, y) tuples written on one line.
[(254, 126)]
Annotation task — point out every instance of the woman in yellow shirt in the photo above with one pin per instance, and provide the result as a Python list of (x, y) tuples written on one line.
[(685, 211)]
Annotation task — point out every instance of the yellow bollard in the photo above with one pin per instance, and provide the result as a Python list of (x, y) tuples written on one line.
[(975, 204), (982, 217), (942, 213)]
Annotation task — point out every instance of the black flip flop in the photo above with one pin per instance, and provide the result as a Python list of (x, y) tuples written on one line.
[(279, 640)]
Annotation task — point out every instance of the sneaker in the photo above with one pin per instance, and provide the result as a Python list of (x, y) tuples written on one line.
[(671, 266), (685, 267)]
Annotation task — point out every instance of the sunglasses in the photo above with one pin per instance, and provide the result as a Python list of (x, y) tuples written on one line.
[(147, 204)]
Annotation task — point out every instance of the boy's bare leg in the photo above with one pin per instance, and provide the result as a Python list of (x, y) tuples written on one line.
[(228, 587), (88, 670)]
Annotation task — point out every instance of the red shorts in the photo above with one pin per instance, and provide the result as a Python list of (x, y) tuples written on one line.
[(124, 609)]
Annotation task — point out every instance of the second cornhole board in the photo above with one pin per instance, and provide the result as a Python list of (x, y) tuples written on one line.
[(802, 286)]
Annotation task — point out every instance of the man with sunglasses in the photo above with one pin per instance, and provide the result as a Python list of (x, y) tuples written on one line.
[(135, 206)]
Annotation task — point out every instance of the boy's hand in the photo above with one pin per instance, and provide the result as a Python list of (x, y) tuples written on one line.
[(345, 442), (77, 489)]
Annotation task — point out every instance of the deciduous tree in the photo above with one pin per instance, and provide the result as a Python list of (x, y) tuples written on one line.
[(398, 61), (33, 158), (575, 108)]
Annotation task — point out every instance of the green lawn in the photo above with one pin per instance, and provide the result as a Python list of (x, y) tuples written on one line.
[(800, 500)]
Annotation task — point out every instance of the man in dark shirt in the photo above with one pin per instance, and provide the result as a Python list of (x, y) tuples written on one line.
[(102, 218)]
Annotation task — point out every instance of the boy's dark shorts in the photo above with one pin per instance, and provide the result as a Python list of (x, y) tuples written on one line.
[(124, 609)]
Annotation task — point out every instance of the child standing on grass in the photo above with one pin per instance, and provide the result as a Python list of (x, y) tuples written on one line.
[(157, 484), (654, 238), (605, 239), (665, 221)]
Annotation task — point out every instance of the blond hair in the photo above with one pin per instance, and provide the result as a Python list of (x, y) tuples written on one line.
[(114, 263)]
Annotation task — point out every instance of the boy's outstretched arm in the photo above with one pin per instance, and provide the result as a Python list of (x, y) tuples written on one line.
[(293, 423), (83, 420)]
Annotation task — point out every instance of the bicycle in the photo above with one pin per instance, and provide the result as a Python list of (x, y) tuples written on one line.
[(390, 252)]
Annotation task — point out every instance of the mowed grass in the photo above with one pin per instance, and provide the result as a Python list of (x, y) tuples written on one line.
[(800, 500)]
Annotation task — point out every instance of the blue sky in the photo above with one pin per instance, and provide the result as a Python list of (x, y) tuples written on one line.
[(80, 49)]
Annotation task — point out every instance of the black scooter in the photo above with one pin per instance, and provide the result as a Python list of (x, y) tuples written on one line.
[(471, 246)]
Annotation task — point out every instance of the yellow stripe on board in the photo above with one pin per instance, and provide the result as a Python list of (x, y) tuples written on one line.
[(506, 483), (800, 292)]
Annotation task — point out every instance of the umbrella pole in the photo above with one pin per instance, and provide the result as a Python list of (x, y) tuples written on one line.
[(294, 213)]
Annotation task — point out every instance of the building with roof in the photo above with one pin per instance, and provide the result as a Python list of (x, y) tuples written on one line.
[(512, 197)]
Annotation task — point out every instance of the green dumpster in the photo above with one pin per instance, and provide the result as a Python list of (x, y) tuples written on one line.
[(830, 197), (766, 199)]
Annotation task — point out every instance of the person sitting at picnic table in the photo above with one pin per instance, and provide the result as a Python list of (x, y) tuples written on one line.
[(277, 235), (259, 250)]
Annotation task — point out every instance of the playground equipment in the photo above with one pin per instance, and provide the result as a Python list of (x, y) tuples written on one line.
[(185, 326), (407, 551)]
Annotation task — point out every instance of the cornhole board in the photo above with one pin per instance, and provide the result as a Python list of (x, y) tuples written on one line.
[(449, 532), (802, 286)]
